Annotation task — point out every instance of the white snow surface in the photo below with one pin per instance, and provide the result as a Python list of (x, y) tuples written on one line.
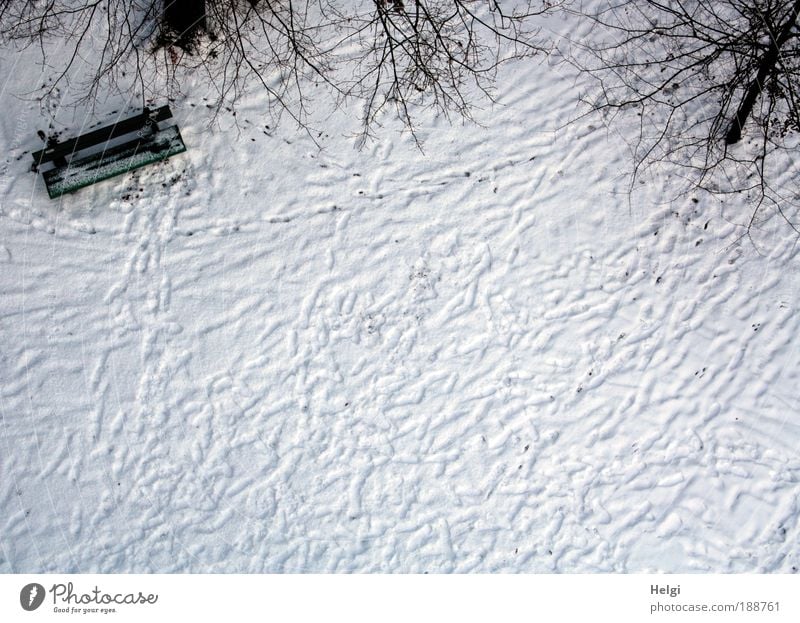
[(266, 355)]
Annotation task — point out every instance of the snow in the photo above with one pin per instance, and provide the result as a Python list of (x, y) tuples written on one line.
[(267, 355)]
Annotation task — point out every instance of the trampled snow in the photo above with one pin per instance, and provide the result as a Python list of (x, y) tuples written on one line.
[(271, 355)]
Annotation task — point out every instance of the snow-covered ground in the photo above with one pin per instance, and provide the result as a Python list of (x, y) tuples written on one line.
[(269, 356)]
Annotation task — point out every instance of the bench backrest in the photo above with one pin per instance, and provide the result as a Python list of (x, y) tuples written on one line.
[(95, 137)]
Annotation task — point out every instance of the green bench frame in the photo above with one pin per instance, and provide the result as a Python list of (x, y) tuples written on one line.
[(109, 151)]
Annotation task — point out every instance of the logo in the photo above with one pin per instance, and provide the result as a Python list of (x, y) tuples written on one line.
[(31, 596)]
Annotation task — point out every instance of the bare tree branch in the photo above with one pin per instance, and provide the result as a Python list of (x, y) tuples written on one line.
[(702, 74), (400, 54)]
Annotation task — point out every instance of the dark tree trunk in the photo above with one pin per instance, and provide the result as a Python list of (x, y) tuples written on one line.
[(185, 18), (765, 68)]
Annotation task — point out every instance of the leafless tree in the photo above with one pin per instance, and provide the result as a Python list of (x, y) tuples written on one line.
[(398, 54), (702, 75)]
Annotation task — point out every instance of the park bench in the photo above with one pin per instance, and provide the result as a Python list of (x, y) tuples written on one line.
[(108, 151)]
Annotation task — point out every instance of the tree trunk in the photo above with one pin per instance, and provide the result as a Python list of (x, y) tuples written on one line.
[(186, 18), (765, 68)]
